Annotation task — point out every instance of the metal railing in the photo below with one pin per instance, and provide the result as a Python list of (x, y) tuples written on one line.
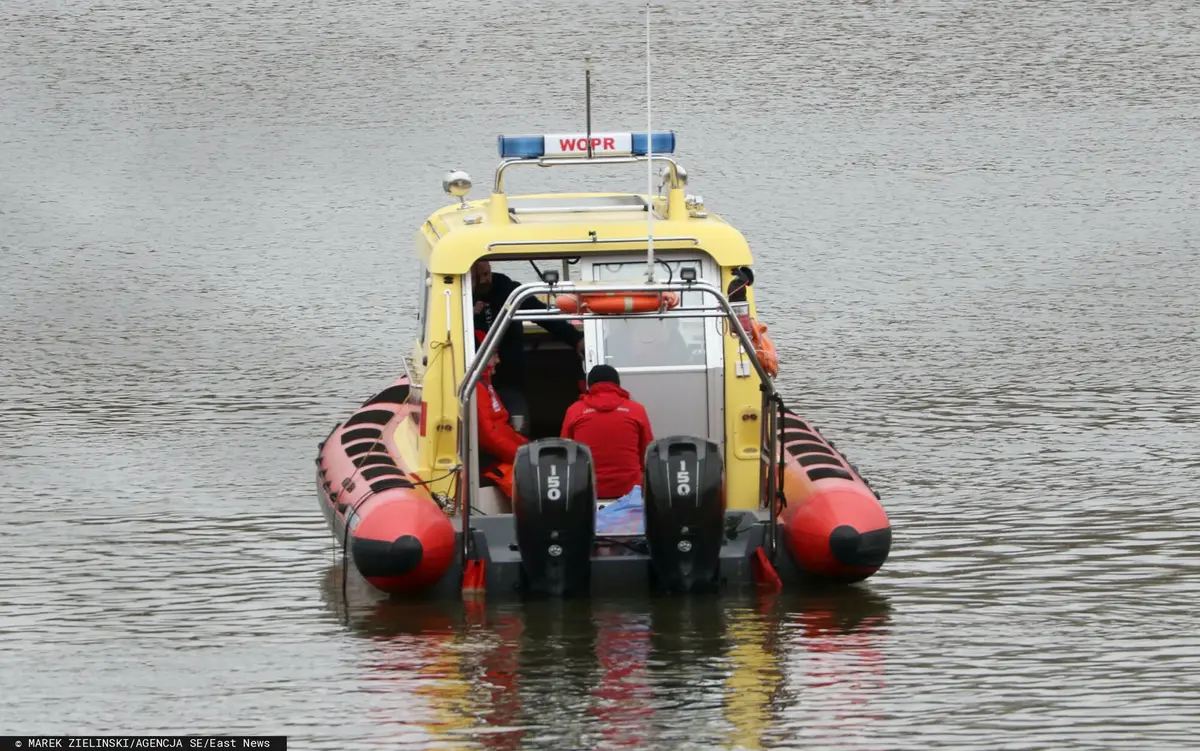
[(511, 312), (592, 241), (673, 166)]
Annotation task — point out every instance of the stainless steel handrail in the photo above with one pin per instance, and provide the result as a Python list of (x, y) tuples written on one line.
[(414, 386), (525, 291), (509, 313), (555, 162), (534, 316), (575, 209), (592, 241), (768, 460)]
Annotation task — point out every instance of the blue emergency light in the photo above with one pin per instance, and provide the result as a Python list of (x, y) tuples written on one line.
[(568, 145)]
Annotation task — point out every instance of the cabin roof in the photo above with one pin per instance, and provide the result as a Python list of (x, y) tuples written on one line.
[(457, 236)]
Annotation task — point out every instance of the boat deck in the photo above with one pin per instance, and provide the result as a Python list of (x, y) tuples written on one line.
[(620, 563)]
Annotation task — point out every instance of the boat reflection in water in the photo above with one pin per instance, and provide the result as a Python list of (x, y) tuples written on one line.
[(804, 667), (725, 673)]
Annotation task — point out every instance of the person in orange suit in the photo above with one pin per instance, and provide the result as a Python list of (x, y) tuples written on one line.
[(498, 441)]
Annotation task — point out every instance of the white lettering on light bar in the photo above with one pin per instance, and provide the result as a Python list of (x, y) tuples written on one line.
[(576, 144)]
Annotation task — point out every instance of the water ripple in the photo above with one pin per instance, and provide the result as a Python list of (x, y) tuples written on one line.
[(980, 278)]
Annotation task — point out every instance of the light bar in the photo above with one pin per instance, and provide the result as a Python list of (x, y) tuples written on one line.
[(575, 145)]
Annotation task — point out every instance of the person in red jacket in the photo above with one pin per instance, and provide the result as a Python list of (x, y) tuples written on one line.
[(615, 428), (498, 441)]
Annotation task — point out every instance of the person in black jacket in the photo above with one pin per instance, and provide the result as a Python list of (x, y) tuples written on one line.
[(490, 292)]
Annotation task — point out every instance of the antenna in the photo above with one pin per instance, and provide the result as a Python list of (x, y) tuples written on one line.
[(649, 163), (587, 78)]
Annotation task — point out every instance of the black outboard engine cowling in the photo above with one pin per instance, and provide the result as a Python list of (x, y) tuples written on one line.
[(554, 508), (685, 512)]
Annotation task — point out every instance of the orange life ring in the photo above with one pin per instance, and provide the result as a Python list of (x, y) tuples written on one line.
[(616, 302), (764, 347)]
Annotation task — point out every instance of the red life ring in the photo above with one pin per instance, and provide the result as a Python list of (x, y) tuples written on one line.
[(617, 302)]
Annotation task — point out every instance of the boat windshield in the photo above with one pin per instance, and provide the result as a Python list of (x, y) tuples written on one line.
[(653, 342)]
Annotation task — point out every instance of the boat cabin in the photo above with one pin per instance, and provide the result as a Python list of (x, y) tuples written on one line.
[(674, 366), (687, 364)]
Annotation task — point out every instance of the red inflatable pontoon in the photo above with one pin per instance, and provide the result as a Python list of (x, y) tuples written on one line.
[(399, 538)]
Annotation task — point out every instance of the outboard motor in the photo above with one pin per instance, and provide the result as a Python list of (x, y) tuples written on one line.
[(554, 507), (685, 512)]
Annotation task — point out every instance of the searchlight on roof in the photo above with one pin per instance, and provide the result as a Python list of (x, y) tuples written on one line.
[(567, 145)]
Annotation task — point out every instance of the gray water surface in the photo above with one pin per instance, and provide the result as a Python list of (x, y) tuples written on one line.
[(976, 238)]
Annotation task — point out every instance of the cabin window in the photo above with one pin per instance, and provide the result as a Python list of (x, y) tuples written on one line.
[(659, 342)]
